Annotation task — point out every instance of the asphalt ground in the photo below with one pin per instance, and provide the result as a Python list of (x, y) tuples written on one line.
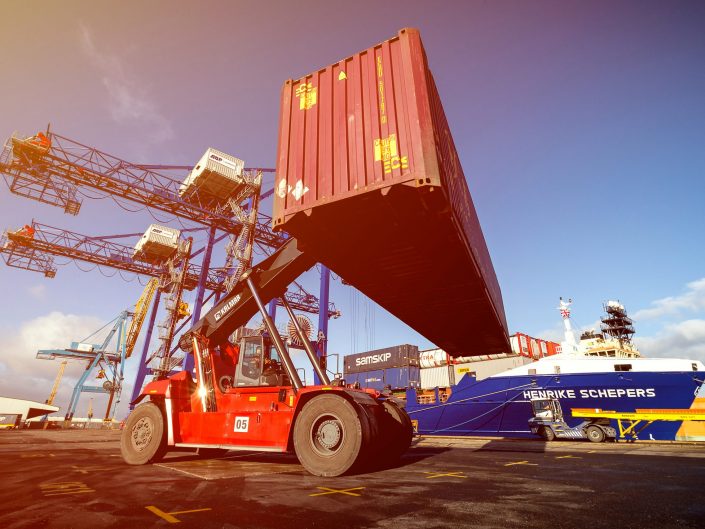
[(77, 479)]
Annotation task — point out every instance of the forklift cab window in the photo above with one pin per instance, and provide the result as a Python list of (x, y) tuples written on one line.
[(542, 408), (260, 365), (249, 369)]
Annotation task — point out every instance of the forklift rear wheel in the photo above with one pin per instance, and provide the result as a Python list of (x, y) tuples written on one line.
[(328, 436), (595, 434), (397, 431), (143, 440), (547, 433)]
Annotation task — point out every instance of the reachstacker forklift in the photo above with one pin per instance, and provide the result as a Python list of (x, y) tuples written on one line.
[(248, 396)]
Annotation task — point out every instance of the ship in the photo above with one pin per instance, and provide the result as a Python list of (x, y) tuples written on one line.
[(604, 369)]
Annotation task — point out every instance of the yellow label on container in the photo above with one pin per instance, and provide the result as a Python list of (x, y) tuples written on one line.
[(307, 94), (387, 152), (386, 148), (253, 398), (380, 88)]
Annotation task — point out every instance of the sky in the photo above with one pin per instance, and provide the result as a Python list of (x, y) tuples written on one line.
[(580, 127)]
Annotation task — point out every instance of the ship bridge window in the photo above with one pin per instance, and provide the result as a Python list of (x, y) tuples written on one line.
[(622, 367), (695, 366)]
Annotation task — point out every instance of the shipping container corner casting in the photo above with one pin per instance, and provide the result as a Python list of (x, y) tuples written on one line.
[(369, 181)]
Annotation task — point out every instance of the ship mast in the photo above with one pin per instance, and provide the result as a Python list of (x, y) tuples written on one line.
[(569, 344), (616, 323)]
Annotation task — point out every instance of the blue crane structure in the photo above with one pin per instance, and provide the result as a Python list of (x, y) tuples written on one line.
[(56, 170), (111, 364)]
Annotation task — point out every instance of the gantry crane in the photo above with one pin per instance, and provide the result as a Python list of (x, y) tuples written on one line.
[(34, 246), (109, 363), (55, 170)]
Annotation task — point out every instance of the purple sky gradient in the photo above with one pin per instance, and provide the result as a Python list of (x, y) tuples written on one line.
[(580, 126)]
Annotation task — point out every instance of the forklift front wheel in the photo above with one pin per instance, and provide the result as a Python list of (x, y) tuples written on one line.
[(547, 433), (328, 436), (595, 434), (143, 440)]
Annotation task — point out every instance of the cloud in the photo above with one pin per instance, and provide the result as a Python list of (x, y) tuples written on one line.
[(129, 101), (692, 300), (681, 340)]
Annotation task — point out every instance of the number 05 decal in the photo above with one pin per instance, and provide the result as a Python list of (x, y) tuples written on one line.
[(242, 424)]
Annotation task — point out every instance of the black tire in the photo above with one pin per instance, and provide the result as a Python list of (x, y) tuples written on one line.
[(211, 453), (143, 439), (328, 436), (595, 434), (397, 431), (547, 433)]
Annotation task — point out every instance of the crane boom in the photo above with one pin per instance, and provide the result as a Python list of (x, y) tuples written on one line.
[(51, 168), (55, 388), (141, 309), (36, 253)]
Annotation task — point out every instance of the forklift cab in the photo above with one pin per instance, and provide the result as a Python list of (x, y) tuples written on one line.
[(547, 409), (259, 364)]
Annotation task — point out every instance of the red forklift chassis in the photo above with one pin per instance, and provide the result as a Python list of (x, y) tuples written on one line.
[(248, 396)]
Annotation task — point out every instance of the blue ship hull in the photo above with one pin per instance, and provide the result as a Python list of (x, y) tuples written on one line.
[(500, 405)]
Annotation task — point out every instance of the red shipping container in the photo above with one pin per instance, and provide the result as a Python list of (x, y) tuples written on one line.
[(553, 348), (369, 181)]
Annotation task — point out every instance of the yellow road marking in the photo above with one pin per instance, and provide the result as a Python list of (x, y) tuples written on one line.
[(521, 463), (336, 491), (169, 516), (64, 487), (442, 474), (86, 470), (568, 457)]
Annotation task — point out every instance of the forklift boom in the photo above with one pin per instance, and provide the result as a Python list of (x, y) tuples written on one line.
[(272, 276)]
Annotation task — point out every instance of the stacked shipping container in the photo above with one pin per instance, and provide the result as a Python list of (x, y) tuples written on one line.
[(396, 367), (525, 345)]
